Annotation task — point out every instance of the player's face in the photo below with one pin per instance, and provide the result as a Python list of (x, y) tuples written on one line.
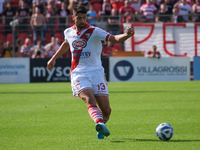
[(80, 20)]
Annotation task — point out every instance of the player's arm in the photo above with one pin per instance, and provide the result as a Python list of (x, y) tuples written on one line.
[(62, 49), (122, 37)]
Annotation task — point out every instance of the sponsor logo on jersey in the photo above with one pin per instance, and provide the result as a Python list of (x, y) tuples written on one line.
[(81, 54), (87, 35), (71, 36), (79, 44)]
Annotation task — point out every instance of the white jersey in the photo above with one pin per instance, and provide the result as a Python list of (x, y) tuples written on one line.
[(86, 47)]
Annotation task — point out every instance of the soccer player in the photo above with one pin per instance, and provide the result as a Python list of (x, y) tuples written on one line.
[(87, 74)]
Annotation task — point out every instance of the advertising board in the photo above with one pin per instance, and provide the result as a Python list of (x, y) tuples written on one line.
[(196, 68), (14, 70), (60, 72), (149, 69)]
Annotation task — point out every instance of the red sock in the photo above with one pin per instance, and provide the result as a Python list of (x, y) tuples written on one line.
[(95, 113), (106, 118)]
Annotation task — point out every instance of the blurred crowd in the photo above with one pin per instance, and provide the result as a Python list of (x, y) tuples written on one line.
[(42, 22)]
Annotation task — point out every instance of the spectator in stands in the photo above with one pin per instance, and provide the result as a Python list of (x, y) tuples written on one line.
[(184, 10), (22, 15), (106, 8), (101, 23), (8, 16), (84, 3), (149, 10), (8, 51), (38, 25), (53, 42), (62, 14), (26, 48), (169, 4), (18, 46), (41, 4), (114, 23), (116, 4), (176, 18), (50, 51), (58, 42), (80, 2), (91, 15), (136, 4), (154, 53), (38, 51), (108, 49), (51, 16), (1, 49), (196, 11), (127, 12), (139, 17), (163, 16), (37, 54), (29, 5)]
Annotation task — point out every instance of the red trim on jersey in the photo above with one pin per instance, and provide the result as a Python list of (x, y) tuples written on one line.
[(76, 58), (107, 37), (87, 34)]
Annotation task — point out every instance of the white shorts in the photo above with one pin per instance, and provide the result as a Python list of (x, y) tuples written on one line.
[(94, 80)]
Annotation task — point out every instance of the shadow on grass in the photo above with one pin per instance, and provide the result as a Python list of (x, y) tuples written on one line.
[(150, 140)]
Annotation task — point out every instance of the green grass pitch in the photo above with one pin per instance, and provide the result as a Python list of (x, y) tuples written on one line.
[(46, 116)]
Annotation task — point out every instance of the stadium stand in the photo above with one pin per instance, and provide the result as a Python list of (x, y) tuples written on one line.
[(9, 38), (1, 38)]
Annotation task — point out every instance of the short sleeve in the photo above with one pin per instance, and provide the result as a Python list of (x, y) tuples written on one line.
[(101, 34)]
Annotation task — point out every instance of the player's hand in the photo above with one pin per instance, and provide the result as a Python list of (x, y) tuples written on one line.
[(50, 64), (130, 31)]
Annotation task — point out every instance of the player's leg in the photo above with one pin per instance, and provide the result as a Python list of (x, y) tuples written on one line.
[(95, 113), (104, 105), (88, 97), (100, 91), (90, 101), (82, 88)]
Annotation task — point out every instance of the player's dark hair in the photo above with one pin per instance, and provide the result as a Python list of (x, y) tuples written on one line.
[(79, 9)]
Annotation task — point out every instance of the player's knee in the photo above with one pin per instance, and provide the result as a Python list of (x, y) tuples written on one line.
[(106, 111), (88, 101)]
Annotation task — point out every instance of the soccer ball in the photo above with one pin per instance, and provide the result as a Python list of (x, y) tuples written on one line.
[(164, 131)]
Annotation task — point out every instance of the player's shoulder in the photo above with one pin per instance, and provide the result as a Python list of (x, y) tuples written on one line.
[(69, 29), (98, 31)]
